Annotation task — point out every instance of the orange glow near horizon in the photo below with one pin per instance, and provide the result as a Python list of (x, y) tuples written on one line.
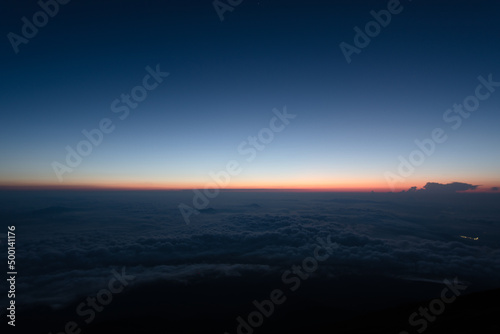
[(304, 186)]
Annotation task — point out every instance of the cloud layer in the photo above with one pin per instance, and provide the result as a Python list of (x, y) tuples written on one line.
[(68, 249)]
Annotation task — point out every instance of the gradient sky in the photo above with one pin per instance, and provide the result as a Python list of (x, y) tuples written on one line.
[(353, 120)]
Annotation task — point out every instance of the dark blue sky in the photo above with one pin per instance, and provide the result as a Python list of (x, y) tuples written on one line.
[(353, 120)]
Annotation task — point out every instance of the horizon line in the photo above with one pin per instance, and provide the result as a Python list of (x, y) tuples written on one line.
[(303, 190)]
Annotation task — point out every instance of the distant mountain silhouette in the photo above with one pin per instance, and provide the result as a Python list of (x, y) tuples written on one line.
[(253, 205), (349, 201)]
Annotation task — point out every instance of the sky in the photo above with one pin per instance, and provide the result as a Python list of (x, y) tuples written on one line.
[(350, 120)]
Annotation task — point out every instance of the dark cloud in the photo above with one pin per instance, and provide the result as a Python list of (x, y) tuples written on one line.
[(434, 187), (69, 254), (495, 188), (73, 253)]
